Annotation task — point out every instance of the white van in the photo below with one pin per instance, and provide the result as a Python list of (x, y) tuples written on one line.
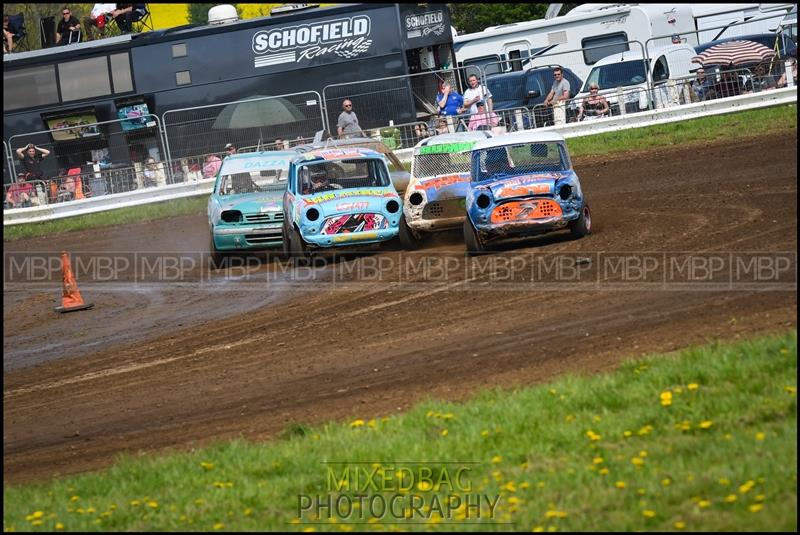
[(630, 72)]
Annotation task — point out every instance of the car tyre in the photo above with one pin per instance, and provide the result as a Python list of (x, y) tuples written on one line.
[(298, 249), (583, 225), (408, 239), (217, 256), (471, 239)]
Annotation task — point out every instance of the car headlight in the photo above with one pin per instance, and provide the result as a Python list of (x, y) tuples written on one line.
[(312, 214), (231, 216)]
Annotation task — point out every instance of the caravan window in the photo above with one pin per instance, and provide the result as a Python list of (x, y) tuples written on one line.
[(596, 48), (660, 69)]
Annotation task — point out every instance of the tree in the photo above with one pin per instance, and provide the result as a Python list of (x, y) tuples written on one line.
[(471, 18)]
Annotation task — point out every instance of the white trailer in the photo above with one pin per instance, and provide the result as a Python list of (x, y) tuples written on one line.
[(606, 27), (609, 28)]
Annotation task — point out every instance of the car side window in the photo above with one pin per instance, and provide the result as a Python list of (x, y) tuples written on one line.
[(661, 69), (533, 84)]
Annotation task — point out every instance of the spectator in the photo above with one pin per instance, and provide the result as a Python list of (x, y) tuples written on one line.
[(761, 79), (483, 119), (66, 190), (441, 126), (212, 165), (98, 18), (149, 173), (31, 157), (230, 148), (782, 81), (560, 90), (475, 94), (728, 86), (449, 101), (279, 144), (593, 106), (347, 125), (19, 194), (8, 36), (701, 85), (69, 28), (126, 14)]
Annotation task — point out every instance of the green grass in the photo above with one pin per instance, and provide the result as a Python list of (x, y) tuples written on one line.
[(120, 216), (715, 128), (729, 432), (730, 126)]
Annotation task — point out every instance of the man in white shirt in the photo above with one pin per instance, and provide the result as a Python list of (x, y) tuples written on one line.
[(477, 93)]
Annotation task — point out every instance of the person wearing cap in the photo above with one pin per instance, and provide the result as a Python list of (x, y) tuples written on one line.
[(593, 106), (19, 193), (482, 119), (230, 148)]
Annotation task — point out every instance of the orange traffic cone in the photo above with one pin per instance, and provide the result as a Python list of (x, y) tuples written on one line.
[(71, 299)]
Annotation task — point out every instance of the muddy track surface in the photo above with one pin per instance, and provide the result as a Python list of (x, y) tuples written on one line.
[(216, 354)]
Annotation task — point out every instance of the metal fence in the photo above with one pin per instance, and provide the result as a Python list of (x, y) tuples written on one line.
[(395, 100), (192, 133)]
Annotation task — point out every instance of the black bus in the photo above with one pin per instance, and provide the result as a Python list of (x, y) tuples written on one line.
[(188, 66)]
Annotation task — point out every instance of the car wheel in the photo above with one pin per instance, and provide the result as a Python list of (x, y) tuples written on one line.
[(217, 256), (583, 225), (285, 248), (408, 239), (298, 248), (471, 238)]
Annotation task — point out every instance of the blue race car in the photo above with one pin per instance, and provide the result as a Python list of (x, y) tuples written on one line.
[(244, 210), (338, 197), (523, 184)]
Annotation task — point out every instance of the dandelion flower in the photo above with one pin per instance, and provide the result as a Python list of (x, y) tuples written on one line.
[(627, 434), (603, 471), (744, 489), (692, 386), (135, 503), (756, 507), (730, 498), (206, 466), (791, 390), (357, 423), (704, 504), (760, 436), (637, 461), (597, 460), (59, 525), (706, 424), (496, 459), (484, 433), (760, 498), (538, 529), (724, 481), (648, 513), (219, 525), (620, 484), (666, 398), (666, 482), (74, 498), (152, 504), (444, 432), (679, 524)]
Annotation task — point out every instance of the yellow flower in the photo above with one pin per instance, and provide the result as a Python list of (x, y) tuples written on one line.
[(206, 466), (724, 481), (603, 471), (760, 498), (594, 437), (637, 461), (760, 436), (552, 391), (706, 424), (704, 504), (510, 487), (59, 525), (357, 423), (538, 529), (643, 453), (484, 433), (666, 398), (646, 430), (444, 432), (153, 504), (555, 514), (666, 482), (756, 507), (36, 523), (74, 498), (496, 459), (744, 489), (199, 501), (424, 486), (692, 386), (620, 484), (135, 503), (685, 425), (219, 525), (627, 434), (730, 498), (648, 513), (597, 460), (791, 390), (372, 423), (679, 524)]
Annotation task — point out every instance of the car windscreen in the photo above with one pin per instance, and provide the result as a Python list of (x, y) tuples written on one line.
[(431, 165), (315, 177), (251, 175), (519, 159), (620, 74)]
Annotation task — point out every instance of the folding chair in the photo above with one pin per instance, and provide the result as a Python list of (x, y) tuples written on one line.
[(16, 24), (142, 21)]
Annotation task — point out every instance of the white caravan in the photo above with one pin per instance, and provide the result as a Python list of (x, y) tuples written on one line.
[(607, 29)]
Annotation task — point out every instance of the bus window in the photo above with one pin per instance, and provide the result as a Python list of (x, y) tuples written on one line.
[(84, 78), (25, 88), (603, 45)]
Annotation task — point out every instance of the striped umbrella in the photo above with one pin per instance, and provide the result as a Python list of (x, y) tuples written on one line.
[(734, 53)]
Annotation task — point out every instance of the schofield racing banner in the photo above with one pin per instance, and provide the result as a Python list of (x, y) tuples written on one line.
[(327, 40), (425, 26)]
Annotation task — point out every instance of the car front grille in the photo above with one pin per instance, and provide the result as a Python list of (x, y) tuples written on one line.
[(263, 217), (444, 209)]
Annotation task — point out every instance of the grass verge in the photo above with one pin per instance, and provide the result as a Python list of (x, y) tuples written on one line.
[(705, 439), (732, 126)]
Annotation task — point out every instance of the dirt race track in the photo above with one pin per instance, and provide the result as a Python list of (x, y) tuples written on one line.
[(219, 354)]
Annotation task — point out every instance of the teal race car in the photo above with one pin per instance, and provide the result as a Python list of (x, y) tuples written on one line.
[(244, 210)]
